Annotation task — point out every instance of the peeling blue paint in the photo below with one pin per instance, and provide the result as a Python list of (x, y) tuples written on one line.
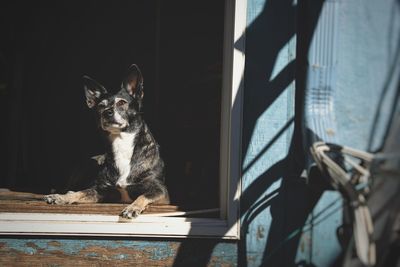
[(227, 252), (19, 245), (156, 250), (121, 257), (92, 254)]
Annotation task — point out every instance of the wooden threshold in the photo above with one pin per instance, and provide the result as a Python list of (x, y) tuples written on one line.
[(28, 214), (11, 201)]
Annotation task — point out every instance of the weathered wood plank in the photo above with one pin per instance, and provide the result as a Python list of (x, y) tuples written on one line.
[(28, 202), (68, 252)]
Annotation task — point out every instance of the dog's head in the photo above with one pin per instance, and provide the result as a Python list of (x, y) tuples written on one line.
[(116, 112)]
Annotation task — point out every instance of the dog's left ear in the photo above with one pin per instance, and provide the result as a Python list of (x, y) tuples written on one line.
[(133, 82), (93, 91)]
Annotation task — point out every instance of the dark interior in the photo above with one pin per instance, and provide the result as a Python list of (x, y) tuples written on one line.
[(47, 46)]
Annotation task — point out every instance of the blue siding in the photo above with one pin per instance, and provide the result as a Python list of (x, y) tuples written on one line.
[(321, 83), (369, 63), (268, 128), (353, 64)]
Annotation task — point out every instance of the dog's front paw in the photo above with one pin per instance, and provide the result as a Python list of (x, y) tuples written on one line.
[(132, 211), (55, 199)]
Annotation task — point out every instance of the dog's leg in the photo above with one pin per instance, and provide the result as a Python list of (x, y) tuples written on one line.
[(134, 209), (85, 196), (140, 204)]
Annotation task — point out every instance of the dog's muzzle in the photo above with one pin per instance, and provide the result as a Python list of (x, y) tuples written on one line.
[(111, 121)]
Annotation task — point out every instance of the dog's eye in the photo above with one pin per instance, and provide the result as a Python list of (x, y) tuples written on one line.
[(121, 103)]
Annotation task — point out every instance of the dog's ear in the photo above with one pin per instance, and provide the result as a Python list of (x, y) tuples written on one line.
[(133, 82), (93, 91)]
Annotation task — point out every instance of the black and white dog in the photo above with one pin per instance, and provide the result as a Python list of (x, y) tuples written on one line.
[(132, 165)]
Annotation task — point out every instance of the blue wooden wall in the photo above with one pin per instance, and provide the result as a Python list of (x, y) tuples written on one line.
[(360, 71), (285, 219), (269, 118)]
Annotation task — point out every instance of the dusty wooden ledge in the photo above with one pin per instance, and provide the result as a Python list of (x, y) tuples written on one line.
[(11, 201), (23, 202)]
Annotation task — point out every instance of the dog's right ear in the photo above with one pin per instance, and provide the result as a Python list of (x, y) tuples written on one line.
[(133, 82), (93, 91)]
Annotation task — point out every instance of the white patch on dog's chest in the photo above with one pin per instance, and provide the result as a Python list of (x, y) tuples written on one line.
[(122, 146)]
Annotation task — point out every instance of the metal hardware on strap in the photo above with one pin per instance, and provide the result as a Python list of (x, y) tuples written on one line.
[(353, 187)]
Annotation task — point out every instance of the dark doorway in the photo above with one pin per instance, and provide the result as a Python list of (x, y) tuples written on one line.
[(47, 46)]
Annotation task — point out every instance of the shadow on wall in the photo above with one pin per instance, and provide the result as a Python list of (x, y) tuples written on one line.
[(291, 204)]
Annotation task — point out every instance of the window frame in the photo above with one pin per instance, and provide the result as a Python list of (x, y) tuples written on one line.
[(227, 226)]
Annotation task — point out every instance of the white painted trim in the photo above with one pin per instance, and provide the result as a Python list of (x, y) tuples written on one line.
[(108, 225), (231, 112), (228, 226)]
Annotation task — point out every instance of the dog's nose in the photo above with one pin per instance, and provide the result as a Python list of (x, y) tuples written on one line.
[(109, 113)]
